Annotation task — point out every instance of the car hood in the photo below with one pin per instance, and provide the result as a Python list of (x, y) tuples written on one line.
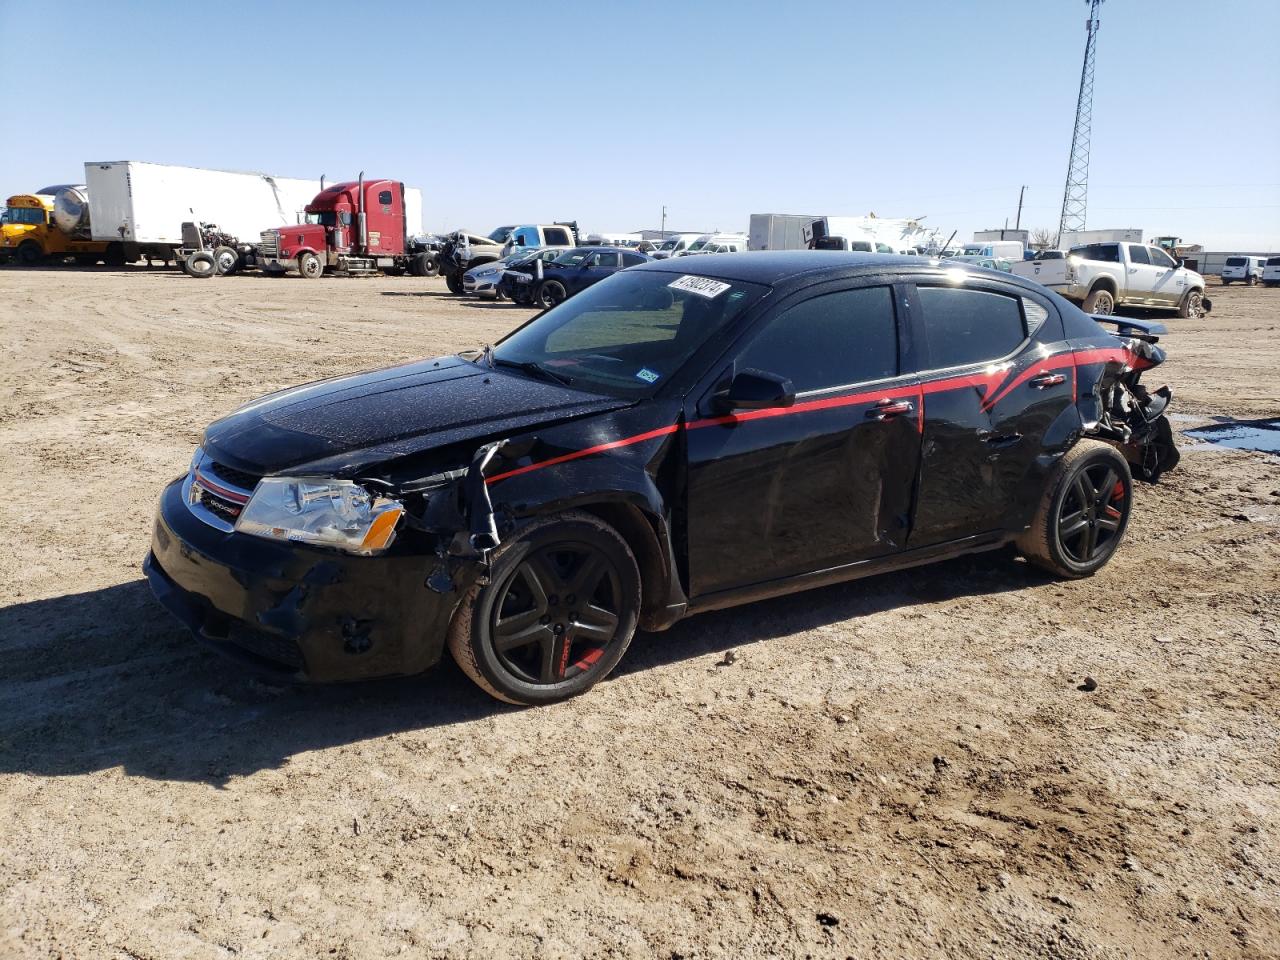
[(353, 423)]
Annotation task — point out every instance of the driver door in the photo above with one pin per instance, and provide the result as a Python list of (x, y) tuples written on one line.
[(826, 481)]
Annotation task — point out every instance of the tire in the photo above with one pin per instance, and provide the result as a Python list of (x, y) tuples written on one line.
[(1191, 306), (114, 256), (85, 260), (1226, 283), (454, 282), (1101, 302), (1252, 282), (201, 265), (227, 260), (422, 265), (1083, 513), (29, 253), (550, 293), (310, 267), (547, 560)]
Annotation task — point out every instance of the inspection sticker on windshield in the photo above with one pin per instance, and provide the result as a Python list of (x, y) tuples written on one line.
[(647, 375), (702, 286)]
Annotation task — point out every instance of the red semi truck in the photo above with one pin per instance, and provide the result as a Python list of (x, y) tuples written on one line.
[(357, 227)]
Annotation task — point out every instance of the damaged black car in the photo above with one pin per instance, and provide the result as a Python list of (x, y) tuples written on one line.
[(684, 436)]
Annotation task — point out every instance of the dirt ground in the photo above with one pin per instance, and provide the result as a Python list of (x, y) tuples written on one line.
[(899, 767)]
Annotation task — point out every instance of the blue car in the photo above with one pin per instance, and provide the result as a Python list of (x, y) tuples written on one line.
[(571, 272)]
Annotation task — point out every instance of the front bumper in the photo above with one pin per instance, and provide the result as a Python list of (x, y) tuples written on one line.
[(298, 611), (481, 287)]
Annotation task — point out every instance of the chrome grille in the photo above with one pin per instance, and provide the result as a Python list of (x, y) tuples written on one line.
[(269, 244)]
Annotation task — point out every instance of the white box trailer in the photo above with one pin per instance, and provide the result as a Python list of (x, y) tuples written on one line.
[(1077, 238), (143, 205), (412, 211), (779, 231), (866, 234)]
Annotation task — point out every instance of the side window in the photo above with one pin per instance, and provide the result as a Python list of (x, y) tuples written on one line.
[(883, 248), (631, 259), (969, 326), (830, 341), (556, 236), (1161, 259), (384, 197), (1036, 315), (526, 238), (1104, 252), (1138, 254), (860, 246)]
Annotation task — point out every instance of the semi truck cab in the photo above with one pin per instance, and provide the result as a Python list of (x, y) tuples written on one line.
[(354, 227)]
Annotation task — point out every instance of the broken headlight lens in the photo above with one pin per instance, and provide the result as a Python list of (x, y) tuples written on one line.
[(328, 513)]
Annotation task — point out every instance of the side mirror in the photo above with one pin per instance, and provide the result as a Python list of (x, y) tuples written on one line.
[(756, 390), (1180, 261)]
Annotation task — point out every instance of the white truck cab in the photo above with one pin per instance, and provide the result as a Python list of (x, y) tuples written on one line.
[(532, 236), (713, 242), (674, 244), (995, 249), (1243, 269)]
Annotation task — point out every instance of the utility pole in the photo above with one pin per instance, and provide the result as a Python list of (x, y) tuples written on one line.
[(1017, 224), (1075, 195), (664, 221)]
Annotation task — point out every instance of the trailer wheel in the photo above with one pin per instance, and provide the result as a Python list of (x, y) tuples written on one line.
[(309, 266), (115, 255), (227, 260), (201, 265), (29, 253)]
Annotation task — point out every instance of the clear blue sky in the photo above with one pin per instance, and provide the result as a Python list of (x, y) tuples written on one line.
[(604, 112)]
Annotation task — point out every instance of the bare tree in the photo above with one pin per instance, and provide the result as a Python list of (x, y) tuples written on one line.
[(1043, 239)]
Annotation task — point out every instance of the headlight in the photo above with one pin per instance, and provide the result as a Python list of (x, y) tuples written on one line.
[(330, 513)]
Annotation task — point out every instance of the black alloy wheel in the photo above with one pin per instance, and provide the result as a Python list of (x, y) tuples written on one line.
[(557, 616), (1083, 513), (1092, 513), (550, 293)]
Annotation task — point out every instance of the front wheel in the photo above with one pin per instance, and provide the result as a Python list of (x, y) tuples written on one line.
[(1192, 305), (550, 293), (557, 615), (310, 267), (29, 253), (1083, 513), (1100, 302), (453, 281)]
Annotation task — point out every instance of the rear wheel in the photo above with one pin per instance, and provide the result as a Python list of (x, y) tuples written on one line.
[(557, 615), (1100, 302), (422, 265), (309, 266), (1083, 513), (1252, 281), (114, 255)]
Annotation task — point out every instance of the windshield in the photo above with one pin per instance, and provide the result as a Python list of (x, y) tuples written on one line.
[(670, 244), (24, 215), (1235, 261), (326, 218), (628, 334), (697, 245), (1274, 262)]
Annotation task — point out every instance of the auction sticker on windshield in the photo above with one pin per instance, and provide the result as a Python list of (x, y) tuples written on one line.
[(702, 286)]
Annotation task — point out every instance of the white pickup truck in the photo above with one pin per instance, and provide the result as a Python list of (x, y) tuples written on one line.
[(1103, 276)]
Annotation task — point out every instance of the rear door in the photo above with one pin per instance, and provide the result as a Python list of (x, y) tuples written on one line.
[(598, 266), (996, 373), (828, 481)]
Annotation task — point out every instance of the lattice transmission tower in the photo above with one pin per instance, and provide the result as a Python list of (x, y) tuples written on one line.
[(1075, 196)]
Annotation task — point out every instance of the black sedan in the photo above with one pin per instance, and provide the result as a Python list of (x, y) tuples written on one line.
[(549, 284), (683, 436)]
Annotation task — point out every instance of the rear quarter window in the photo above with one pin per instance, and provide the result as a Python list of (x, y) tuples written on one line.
[(966, 326)]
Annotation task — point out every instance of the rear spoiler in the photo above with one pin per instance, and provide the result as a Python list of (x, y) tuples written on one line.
[(1131, 327)]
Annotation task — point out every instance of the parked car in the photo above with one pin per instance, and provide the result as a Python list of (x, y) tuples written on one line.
[(990, 263), (1271, 272), (675, 244), (487, 280), (707, 240), (1103, 276), (547, 284), (683, 436), (1246, 270)]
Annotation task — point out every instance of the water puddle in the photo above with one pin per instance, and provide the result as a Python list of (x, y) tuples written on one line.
[(1260, 435)]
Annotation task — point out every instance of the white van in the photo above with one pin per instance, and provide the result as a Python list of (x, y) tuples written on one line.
[(1244, 269), (1271, 272), (996, 249), (675, 244)]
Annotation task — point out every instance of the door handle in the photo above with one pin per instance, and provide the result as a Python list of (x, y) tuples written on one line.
[(886, 408), (1045, 380), (993, 439)]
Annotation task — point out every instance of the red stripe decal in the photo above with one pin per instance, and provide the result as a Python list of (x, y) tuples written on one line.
[(578, 454), (988, 380), (221, 490)]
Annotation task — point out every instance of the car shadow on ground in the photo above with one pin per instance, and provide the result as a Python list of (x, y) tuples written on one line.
[(105, 678)]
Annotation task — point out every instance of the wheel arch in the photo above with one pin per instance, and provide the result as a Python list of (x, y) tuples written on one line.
[(1106, 282)]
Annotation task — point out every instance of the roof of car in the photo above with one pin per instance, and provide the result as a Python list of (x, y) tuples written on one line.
[(777, 266), (603, 248)]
